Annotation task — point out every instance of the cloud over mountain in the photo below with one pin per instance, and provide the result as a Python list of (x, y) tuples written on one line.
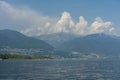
[(31, 22)]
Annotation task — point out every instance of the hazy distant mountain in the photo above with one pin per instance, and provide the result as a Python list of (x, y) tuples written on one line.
[(14, 39), (57, 39), (96, 43)]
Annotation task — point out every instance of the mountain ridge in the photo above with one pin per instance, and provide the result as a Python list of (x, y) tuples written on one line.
[(95, 43), (14, 39)]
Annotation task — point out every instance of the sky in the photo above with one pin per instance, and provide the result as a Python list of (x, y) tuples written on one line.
[(80, 17)]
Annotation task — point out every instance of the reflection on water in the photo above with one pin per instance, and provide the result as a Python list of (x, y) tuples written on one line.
[(59, 70)]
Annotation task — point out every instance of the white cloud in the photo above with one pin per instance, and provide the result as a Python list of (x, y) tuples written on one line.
[(34, 23), (65, 23), (29, 21), (81, 26), (100, 26)]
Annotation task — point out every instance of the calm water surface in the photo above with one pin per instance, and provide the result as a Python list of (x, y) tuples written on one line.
[(59, 69)]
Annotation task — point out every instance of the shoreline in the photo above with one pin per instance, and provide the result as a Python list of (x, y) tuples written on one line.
[(22, 57)]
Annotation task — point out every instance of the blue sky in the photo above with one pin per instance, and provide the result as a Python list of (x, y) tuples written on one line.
[(108, 10)]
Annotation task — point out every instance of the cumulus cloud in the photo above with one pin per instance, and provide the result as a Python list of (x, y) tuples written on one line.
[(81, 27), (65, 23), (100, 26), (33, 23)]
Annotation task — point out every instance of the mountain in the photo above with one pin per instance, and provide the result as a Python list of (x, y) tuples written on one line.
[(14, 39), (57, 39), (95, 43)]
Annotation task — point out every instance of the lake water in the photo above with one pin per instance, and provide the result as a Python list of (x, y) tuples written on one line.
[(60, 69)]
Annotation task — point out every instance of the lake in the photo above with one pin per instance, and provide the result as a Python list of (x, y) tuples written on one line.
[(60, 69)]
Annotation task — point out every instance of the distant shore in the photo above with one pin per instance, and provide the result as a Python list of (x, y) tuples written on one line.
[(18, 56)]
